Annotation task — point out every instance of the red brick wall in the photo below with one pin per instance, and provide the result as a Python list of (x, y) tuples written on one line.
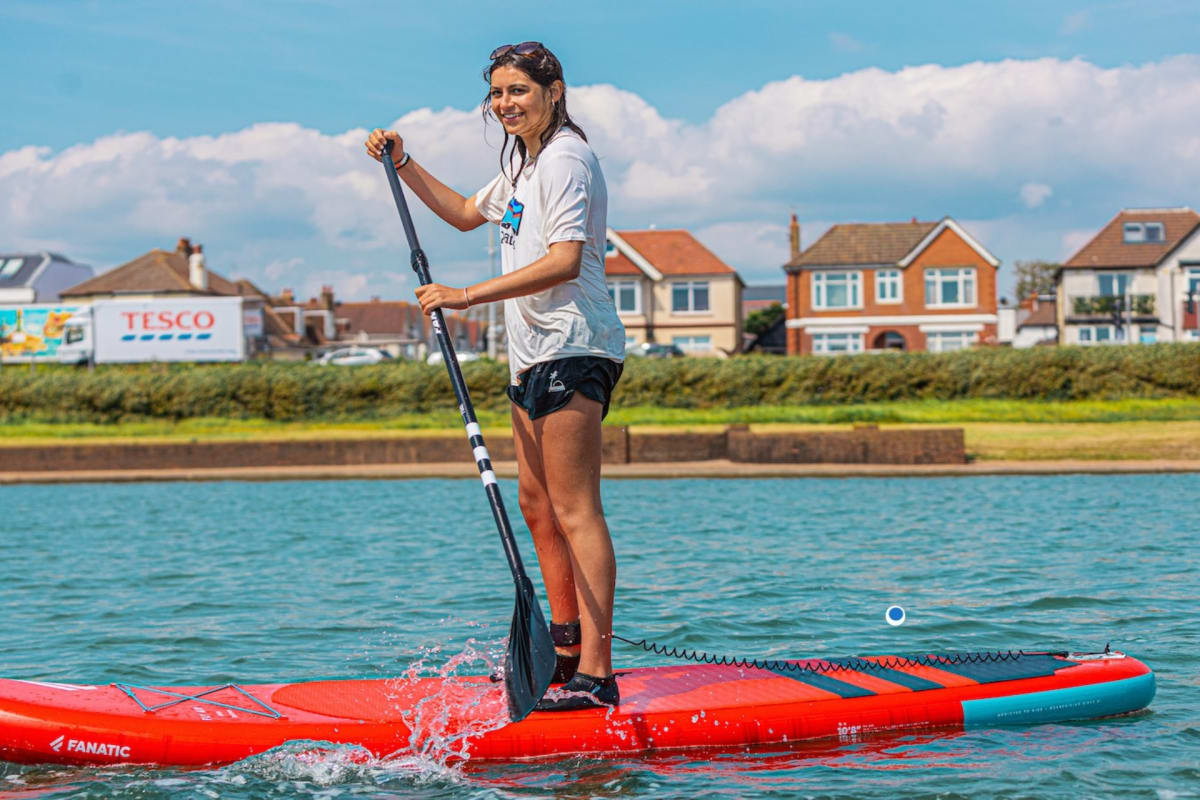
[(947, 250)]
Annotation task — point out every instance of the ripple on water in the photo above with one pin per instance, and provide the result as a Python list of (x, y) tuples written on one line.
[(216, 582)]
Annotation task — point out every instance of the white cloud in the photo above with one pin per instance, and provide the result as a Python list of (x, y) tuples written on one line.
[(1034, 194), (280, 202)]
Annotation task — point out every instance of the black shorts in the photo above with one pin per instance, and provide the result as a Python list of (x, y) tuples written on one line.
[(547, 386)]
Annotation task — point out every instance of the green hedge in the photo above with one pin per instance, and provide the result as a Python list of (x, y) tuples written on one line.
[(51, 393)]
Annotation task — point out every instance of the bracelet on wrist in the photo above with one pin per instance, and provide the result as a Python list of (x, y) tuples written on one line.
[(403, 160)]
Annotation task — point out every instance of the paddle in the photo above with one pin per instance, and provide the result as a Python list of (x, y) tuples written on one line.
[(530, 661)]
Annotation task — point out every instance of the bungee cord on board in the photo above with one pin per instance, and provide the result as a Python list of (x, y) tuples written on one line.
[(826, 665)]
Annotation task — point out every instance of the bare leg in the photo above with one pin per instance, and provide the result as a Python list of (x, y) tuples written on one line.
[(553, 557), (568, 442)]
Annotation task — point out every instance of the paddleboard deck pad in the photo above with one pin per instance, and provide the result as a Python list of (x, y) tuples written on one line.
[(662, 708)]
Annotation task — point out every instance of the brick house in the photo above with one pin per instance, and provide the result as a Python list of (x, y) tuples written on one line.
[(1133, 276), (890, 286), (183, 272), (670, 289), (395, 326)]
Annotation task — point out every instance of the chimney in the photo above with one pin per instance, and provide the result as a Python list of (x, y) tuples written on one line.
[(286, 296), (374, 298), (184, 246), (197, 274), (914, 220), (327, 298), (794, 236)]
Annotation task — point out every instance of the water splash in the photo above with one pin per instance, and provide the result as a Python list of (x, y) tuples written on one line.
[(462, 709)]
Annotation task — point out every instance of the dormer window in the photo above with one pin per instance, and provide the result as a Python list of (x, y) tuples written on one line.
[(9, 268), (1138, 232)]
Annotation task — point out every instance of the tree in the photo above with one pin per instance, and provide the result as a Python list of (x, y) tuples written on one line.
[(757, 322), (1035, 277)]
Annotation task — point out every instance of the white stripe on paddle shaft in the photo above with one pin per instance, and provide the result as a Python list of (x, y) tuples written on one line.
[(488, 477), (481, 455), (473, 429)]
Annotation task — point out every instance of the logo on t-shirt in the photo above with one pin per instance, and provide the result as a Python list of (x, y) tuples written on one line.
[(512, 215)]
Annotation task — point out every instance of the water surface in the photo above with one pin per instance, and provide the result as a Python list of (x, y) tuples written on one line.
[(178, 583)]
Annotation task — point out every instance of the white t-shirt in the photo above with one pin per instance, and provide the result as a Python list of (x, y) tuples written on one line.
[(560, 198)]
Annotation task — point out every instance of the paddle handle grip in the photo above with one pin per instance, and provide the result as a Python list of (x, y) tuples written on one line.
[(437, 320)]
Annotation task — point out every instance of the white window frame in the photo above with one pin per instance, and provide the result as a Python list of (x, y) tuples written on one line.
[(696, 343), (822, 342), (934, 340), (1133, 233), (893, 279), (1089, 335), (1190, 274), (615, 285), (1116, 277), (963, 276), (820, 289), (1159, 238), (691, 286), (1147, 334)]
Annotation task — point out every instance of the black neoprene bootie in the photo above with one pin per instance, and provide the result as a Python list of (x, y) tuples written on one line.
[(581, 692), (565, 634)]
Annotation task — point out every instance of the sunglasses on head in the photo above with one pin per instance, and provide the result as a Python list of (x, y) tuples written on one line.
[(522, 49)]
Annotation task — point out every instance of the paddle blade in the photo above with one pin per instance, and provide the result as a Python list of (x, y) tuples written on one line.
[(530, 662)]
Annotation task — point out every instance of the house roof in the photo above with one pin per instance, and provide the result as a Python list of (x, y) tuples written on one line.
[(776, 294), (158, 272), (381, 317), (860, 243), (668, 252), (869, 244), (17, 269), (1044, 316), (1108, 248)]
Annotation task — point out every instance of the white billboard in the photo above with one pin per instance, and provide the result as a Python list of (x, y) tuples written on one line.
[(183, 329)]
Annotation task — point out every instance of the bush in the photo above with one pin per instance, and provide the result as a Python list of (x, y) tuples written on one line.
[(280, 391)]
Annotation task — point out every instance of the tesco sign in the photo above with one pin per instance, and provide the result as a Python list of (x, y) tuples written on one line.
[(169, 329), (186, 320)]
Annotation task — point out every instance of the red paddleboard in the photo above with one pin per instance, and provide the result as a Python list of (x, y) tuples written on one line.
[(662, 708)]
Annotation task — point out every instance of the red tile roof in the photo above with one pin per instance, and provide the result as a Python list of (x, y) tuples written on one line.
[(382, 317), (1044, 315), (157, 272), (671, 252), (1108, 248), (863, 243)]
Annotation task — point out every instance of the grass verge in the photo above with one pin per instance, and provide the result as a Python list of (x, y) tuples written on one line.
[(995, 430)]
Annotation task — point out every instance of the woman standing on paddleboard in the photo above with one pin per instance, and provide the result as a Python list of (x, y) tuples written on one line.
[(566, 345)]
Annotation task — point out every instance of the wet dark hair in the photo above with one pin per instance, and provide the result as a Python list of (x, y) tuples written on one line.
[(544, 69)]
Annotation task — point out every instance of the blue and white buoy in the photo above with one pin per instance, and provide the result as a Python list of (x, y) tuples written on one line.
[(894, 615)]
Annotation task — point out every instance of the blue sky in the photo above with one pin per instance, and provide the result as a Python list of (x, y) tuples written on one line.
[(129, 124)]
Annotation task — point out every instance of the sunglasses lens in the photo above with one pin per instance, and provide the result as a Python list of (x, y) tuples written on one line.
[(499, 51), (527, 48)]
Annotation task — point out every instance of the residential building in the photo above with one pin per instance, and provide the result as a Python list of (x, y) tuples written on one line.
[(396, 327), (180, 273), (1130, 282), (1036, 321), (756, 298), (890, 286), (670, 289), (37, 277)]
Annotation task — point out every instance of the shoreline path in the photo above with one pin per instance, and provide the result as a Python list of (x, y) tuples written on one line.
[(676, 469)]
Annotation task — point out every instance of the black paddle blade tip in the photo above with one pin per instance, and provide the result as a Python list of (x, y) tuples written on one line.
[(530, 661)]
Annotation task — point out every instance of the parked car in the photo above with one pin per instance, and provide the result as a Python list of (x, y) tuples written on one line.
[(353, 356), (655, 350), (461, 355)]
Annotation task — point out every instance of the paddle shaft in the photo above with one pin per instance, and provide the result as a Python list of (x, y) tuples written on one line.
[(420, 265)]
